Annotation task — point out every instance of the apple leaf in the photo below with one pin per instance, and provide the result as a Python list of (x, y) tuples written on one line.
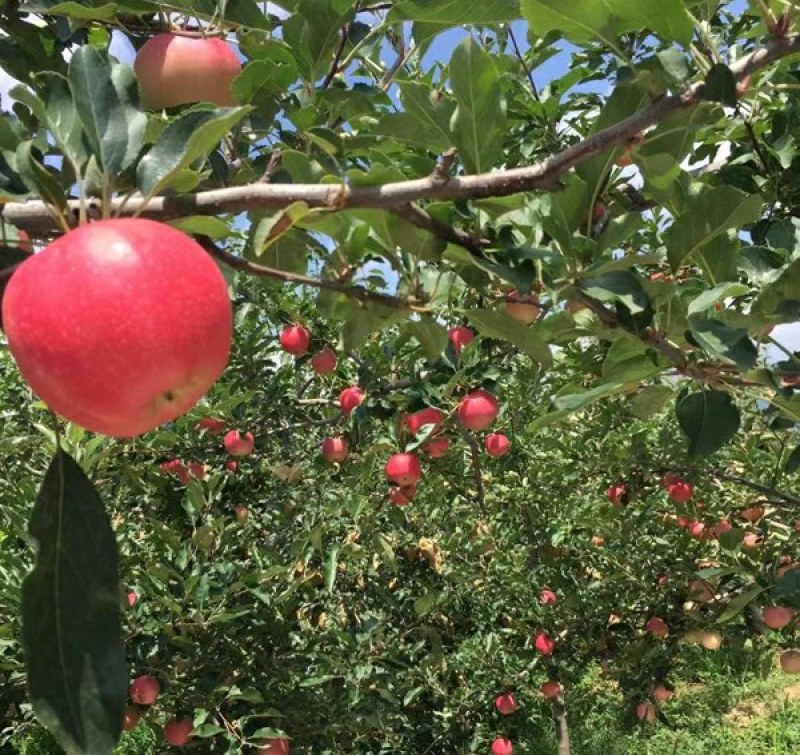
[(722, 340), (500, 325), (793, 462), (709, 419), (457, 13), (71, 631), (739, 603), (787, 589), (621, 286)]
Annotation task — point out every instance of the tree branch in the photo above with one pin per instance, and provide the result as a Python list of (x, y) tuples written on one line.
[(544, 176), (757, 486)]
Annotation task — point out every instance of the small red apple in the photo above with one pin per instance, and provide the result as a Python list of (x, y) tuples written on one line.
[(131, 718), (323, 362), (547, 598), (170, 467), (145, 690), (657, 627), (242, 513), (505, 704), (239, 444), (148, 335), (335, 449), (544, 643), (350, 398), (502, 746), (177, 70), (680, 491), (132, 599), (751, 540), (211, 425), (428, 416), (697, 530), (662, 693), (790, 661), (460, 337), (663, 580), (403, 496), (777, 617), (275, 747), (177, 731), (403, 469), (295, 339), (646, 712), (721, 527), (232, 466), (497, 444), (438, 447), (551, 689), (615, 494), (478, 410)]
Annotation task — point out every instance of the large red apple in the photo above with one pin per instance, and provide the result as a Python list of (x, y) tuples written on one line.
[(323, 362), (502, 746), (177, 731), (403, 469), (275, 747), (295, 339), (119, 325), (145, 690), (460, 337), (350, 398), (497, 444), (506, 704), (335, 449), (238, 444), (777, 617), (478, 410), (428, 416), (176, 70)]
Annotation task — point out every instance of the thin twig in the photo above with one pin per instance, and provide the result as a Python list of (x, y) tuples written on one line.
[(334, 69), (758, 487)]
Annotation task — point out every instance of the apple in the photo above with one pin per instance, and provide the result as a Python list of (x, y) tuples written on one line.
[(711, 640), (177, 731), (753, 514), (146, 338), (751, 540), (438, 447), (460, 337), (275, 747), (323, 362), (239, 444), (242, 514), (478, 410), (350, 398), (428, 416), (145, 690), (232, 466), (693, 636), (131, 718), (497, 444), (701, 591), (662, 693), (170, 467), (295, 339), (547, 597), (615, 494), (403, 469), (646, 712), (505, 704), (790, 661), (335, 449), (197, 470), (697, 530), (662, 580), (132, 599), (211, 425), (524, 309), (721, 527), (544, 643), (777, 617), (551, 689), (657, 627), (502, 746), (403, 496), (173, 69), (599, 211), (680, 490)]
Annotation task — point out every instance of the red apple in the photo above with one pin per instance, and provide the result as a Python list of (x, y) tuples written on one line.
[(148, 335), (547, 598), (753, 514), (790, 661), (551, 689), (177, 70), (131, 718), (428, 416), (335, 449), (497, 444), (232, 466), (211, 425), (662, 580), (460, 337), (502, 746), (239, 444), (177, 731), (170, 467), (350, 398), (524, 309), (721, 527), (438, 447), (403, 496), (657, 627), (646, 712), (544, 643), (615, 493), (145, 690), (132, 599), (295, 339), (323, 362), (751, 540), (275, 747), (777, 617), (701, 591), (680, 491), (478, 410), (403, 469), (697, 530), (197, 470), (242, 513), (505, 704), (662, 693)]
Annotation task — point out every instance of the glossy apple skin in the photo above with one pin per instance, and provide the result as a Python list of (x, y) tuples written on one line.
[(403, 469), (323, 362), (177, 70), (478, 410), (119, 325), (497, 444), (177, 732), (335, 449)]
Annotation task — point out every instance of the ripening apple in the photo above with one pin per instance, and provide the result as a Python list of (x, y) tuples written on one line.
[(335, 449), (438, 447), (497, 444), (680, 490), (131, 718), (132, 598), (753, 514), (551, 689), (751, 540), (323, 362), (427, 416), (697, 530), (790, 661), (711, 640), (403, 496), (646, 712), (777, 617), (177, 731), (403, 469), (350, 399), (146, 338), (242, 513), (460, 337), (477, 410), (502, 746), (211, 425), (662, 693), (275, 747), (239, 444), (544, 643), (701, 591), (524, 309), (547, 597), (173, 69), (721, 527), (615, 493), (657, 627), (145, 690), (295, 339), (232, 466), (505, 704)]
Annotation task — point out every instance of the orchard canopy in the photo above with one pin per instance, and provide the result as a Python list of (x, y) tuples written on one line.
[(383, 367)]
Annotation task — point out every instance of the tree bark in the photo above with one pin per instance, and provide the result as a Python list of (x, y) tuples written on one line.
[(562, 730)]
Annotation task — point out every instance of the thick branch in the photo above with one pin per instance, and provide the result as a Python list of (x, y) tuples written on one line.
[(562, 730), (543, 176)]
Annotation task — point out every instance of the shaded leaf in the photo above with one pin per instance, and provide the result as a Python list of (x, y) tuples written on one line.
[(709, 419)]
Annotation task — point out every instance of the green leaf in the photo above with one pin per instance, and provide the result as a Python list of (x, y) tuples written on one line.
[(431, 335), (782, 298), (711, 213), (709, 298), (425, 120), (621, 286), (364, 321), (40, 178), (499, 325), (188, 140), (787, 589), (312, 33), (478, 123), (739, 603), (202, 225), (793, 462), (651, 400), (720, 339), (628, 361), (456, 12), (709, 419), (73, 10), (720, 85), (77, 680), (571, 398)]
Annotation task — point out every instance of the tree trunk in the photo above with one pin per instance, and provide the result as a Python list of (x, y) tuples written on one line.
[(562, 730)]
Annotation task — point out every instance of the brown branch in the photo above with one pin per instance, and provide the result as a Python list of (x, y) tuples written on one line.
[(562, 730), (543, 176), (420, 218), (757, 486)]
